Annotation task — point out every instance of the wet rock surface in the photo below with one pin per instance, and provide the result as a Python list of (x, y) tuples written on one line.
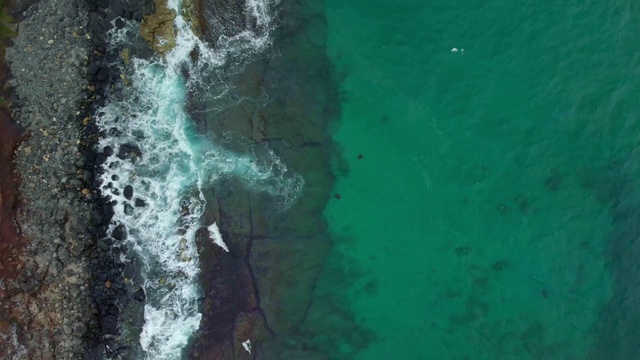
[(276, 258), (218, 18)]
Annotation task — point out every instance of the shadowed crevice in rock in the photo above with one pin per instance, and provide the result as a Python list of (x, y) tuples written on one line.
[(247, 260)]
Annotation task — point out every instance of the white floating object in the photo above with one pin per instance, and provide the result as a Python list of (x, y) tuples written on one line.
[(462, 51), (247, 346), (454, 50), (214, 232)]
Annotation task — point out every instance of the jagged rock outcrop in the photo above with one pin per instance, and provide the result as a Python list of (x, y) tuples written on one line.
[(158, 28)]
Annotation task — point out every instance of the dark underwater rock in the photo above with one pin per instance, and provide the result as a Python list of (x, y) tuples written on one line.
[(139, 295)]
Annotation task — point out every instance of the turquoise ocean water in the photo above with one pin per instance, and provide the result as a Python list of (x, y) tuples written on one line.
[(492, 214)]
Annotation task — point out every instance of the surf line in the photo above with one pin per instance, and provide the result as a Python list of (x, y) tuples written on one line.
[(159, 166)]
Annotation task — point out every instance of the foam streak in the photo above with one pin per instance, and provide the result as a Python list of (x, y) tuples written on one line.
[(169, 164)]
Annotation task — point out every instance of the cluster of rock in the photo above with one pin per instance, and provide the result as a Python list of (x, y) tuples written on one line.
[(49, 308), (73, 296), (64, 302)]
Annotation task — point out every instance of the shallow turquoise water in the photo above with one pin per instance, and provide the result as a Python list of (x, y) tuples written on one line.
[(496, 192)]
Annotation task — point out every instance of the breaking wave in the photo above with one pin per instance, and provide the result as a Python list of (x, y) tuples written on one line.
[(159, 165)]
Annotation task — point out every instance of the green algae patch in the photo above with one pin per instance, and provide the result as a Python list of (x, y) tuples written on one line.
[(158, 28)]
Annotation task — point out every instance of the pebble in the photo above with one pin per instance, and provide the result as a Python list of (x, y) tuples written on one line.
[(75, 290), (63, 255), (79, 328)]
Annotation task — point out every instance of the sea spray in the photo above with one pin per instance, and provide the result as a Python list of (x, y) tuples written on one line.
[(159, 165), (214, 233)]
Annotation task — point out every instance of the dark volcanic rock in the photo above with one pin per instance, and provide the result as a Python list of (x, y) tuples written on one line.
[(139, 295), (107, 150), (109, 324), (129, 151), (119, 232), (95, 353), (128, 192)]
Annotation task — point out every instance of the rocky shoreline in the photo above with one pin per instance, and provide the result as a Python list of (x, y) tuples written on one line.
[(61, 304), (71, 297), (48, 307)]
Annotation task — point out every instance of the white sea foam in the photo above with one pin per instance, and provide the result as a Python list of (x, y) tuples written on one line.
[(214, 233), (260, 11), (175, 165), (247, 346)]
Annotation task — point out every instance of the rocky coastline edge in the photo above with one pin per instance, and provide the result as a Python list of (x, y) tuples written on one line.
[(61, 279)]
